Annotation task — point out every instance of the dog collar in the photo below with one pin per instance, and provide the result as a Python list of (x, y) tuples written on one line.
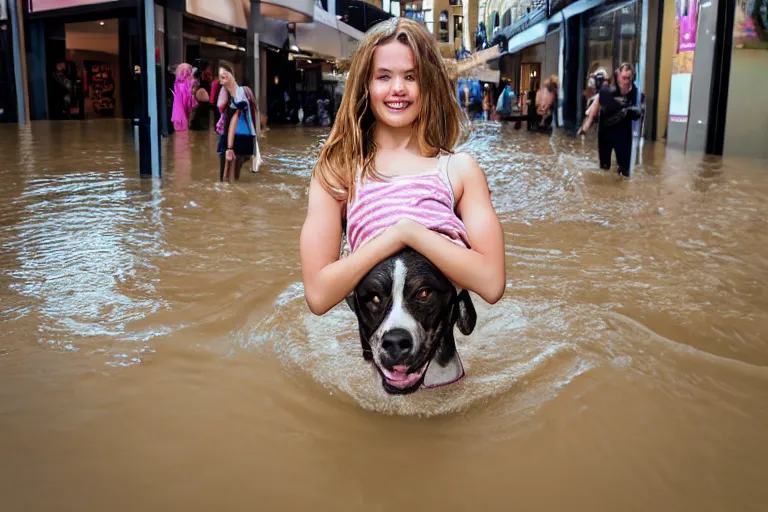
[(438, 375)]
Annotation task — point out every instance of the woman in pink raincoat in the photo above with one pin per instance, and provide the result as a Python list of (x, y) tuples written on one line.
[(184, 102)]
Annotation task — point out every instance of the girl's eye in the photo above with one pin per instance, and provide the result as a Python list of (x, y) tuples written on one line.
[(411, 78), (384, 77), (424, 294)]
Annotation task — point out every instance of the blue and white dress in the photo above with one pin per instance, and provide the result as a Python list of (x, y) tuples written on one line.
[(245, 131)]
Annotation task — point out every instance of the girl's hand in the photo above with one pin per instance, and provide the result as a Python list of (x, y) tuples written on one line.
[(230, 155), (404, 230)]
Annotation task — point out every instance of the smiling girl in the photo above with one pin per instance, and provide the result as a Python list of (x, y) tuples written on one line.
[(388, 174)]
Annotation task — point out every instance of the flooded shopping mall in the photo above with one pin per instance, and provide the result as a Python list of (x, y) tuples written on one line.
[(157, 348), (156, 351)]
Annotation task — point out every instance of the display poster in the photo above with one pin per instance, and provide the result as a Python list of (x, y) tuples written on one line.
[(49, 5), (101, 86), (686, 18)]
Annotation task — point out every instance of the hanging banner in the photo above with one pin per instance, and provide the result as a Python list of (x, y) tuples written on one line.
[(687, 12), (48, 5)]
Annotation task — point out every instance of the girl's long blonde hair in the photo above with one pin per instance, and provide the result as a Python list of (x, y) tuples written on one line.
[(351, 146)]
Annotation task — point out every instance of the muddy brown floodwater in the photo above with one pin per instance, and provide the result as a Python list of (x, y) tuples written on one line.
[(156, 352)]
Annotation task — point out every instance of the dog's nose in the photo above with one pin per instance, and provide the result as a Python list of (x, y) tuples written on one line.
[(397, 344)]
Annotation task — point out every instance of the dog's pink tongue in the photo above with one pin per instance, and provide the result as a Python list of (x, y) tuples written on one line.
[(398, 372)]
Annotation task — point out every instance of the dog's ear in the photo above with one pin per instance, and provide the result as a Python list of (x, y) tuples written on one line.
[(351, 302), (466, 317)]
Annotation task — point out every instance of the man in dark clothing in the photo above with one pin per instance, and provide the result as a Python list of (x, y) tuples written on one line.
[(617, 108)]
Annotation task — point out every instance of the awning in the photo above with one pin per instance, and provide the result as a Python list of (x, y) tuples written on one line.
[(273, 32), (534, 35), (327, 36), (537, 33)]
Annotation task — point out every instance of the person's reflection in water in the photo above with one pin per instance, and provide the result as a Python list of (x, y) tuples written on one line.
[(182, 159)]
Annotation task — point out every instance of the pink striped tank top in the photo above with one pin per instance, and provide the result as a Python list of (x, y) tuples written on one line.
[(424, 198)]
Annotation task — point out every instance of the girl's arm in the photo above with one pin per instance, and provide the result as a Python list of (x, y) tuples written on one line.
[(480, 269), (327, 279), (231, 132), (221, 101)]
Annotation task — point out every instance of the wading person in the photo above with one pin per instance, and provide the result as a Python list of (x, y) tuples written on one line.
[(184, 101), (237, 142), (616, 108), (389, 175)]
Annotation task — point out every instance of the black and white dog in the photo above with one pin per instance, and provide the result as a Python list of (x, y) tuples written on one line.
[(406, 309)]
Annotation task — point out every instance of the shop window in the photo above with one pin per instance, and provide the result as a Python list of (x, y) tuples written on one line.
[(496, 21), (613, 38), (747, 106), (507, 18), (420, 11), (458, 31), (429, 17), (443, 30), (391, 6)]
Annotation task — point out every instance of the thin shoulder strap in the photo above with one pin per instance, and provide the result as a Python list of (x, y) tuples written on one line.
[(443, 161)]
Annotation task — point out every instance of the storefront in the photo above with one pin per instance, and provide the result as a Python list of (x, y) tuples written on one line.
[(746, 123), (8, 110), (81, 58)]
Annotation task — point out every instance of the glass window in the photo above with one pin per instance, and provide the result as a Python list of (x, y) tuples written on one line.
[(613, 38), (746, 120), (443, 34)]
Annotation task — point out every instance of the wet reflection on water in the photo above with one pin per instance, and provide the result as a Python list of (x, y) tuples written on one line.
[(149, 328)]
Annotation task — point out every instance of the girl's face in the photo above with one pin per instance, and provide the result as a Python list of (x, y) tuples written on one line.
[(394, 86), (224, 76)]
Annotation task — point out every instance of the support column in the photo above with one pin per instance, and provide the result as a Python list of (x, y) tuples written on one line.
[(19, 62), (643, 76), (471, 8), (253, 54), (148, 128), (652, 65)]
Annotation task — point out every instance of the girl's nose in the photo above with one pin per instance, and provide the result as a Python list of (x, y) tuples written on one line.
[(398, 84)]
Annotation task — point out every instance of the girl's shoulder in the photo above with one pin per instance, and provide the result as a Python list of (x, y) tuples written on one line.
[(462, 163), (464, 172)]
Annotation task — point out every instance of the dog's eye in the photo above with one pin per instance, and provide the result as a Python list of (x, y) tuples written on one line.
[(375, 299), (424, 294)]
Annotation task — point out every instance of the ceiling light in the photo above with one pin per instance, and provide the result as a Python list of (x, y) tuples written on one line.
[(101, 23)]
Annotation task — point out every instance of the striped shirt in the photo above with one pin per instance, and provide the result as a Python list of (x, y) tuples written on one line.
[(424, 198)]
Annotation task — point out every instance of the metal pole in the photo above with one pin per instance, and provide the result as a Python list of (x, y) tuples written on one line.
[(148, 132), (253, 68), (18, 71), (151, 81)]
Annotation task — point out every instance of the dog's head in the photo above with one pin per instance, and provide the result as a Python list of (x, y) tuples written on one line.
[(406, 309)]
